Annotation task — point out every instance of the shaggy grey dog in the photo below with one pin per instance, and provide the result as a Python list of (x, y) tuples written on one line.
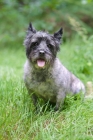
[(44, 75)]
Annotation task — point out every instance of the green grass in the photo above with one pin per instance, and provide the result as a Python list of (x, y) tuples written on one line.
[(18, 120)]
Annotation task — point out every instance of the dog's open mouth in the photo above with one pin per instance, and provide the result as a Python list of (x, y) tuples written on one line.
[(41, 63)]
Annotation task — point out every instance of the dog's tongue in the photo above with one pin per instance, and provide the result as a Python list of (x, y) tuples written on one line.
[(41, 63)]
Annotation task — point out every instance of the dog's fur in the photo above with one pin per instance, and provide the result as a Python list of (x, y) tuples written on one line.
[(44, 75)]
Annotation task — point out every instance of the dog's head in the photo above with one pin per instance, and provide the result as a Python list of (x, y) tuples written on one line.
[(41, 47)]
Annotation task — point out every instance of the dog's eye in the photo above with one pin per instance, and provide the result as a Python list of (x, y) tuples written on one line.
[(50, 45), (34, 44)]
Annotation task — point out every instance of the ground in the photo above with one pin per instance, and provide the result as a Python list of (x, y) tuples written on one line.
[(18, 120)]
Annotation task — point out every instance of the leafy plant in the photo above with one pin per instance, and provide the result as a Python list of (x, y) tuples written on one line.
[(45, 14)]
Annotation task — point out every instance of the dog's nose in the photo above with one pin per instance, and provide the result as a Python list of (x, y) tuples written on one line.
[(41, 52)]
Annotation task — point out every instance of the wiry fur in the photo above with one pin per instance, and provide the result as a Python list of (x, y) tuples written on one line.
[(53, 81)]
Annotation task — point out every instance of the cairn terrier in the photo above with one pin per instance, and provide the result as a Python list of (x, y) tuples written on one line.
[(44, 75)]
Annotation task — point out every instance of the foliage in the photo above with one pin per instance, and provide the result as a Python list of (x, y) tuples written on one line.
[(73, 16), (18, 120)]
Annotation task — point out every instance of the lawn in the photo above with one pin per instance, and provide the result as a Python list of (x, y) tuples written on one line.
[(18, 120)]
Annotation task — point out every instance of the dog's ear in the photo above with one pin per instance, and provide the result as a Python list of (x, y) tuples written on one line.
[(58, 34), (31, 28)]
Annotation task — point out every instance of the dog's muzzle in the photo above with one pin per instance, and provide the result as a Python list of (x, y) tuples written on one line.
[(41, 60), (41, 53)]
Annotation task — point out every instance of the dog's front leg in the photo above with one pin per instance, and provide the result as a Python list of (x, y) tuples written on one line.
[(34, 99), (35, 102), (60, 101)]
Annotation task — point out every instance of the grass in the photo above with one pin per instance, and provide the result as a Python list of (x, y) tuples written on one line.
[(18, 120)]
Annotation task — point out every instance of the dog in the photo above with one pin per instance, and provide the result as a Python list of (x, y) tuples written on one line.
[(44, 75)]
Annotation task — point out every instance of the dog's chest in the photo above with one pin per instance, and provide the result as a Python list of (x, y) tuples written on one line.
[(43, 86)]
